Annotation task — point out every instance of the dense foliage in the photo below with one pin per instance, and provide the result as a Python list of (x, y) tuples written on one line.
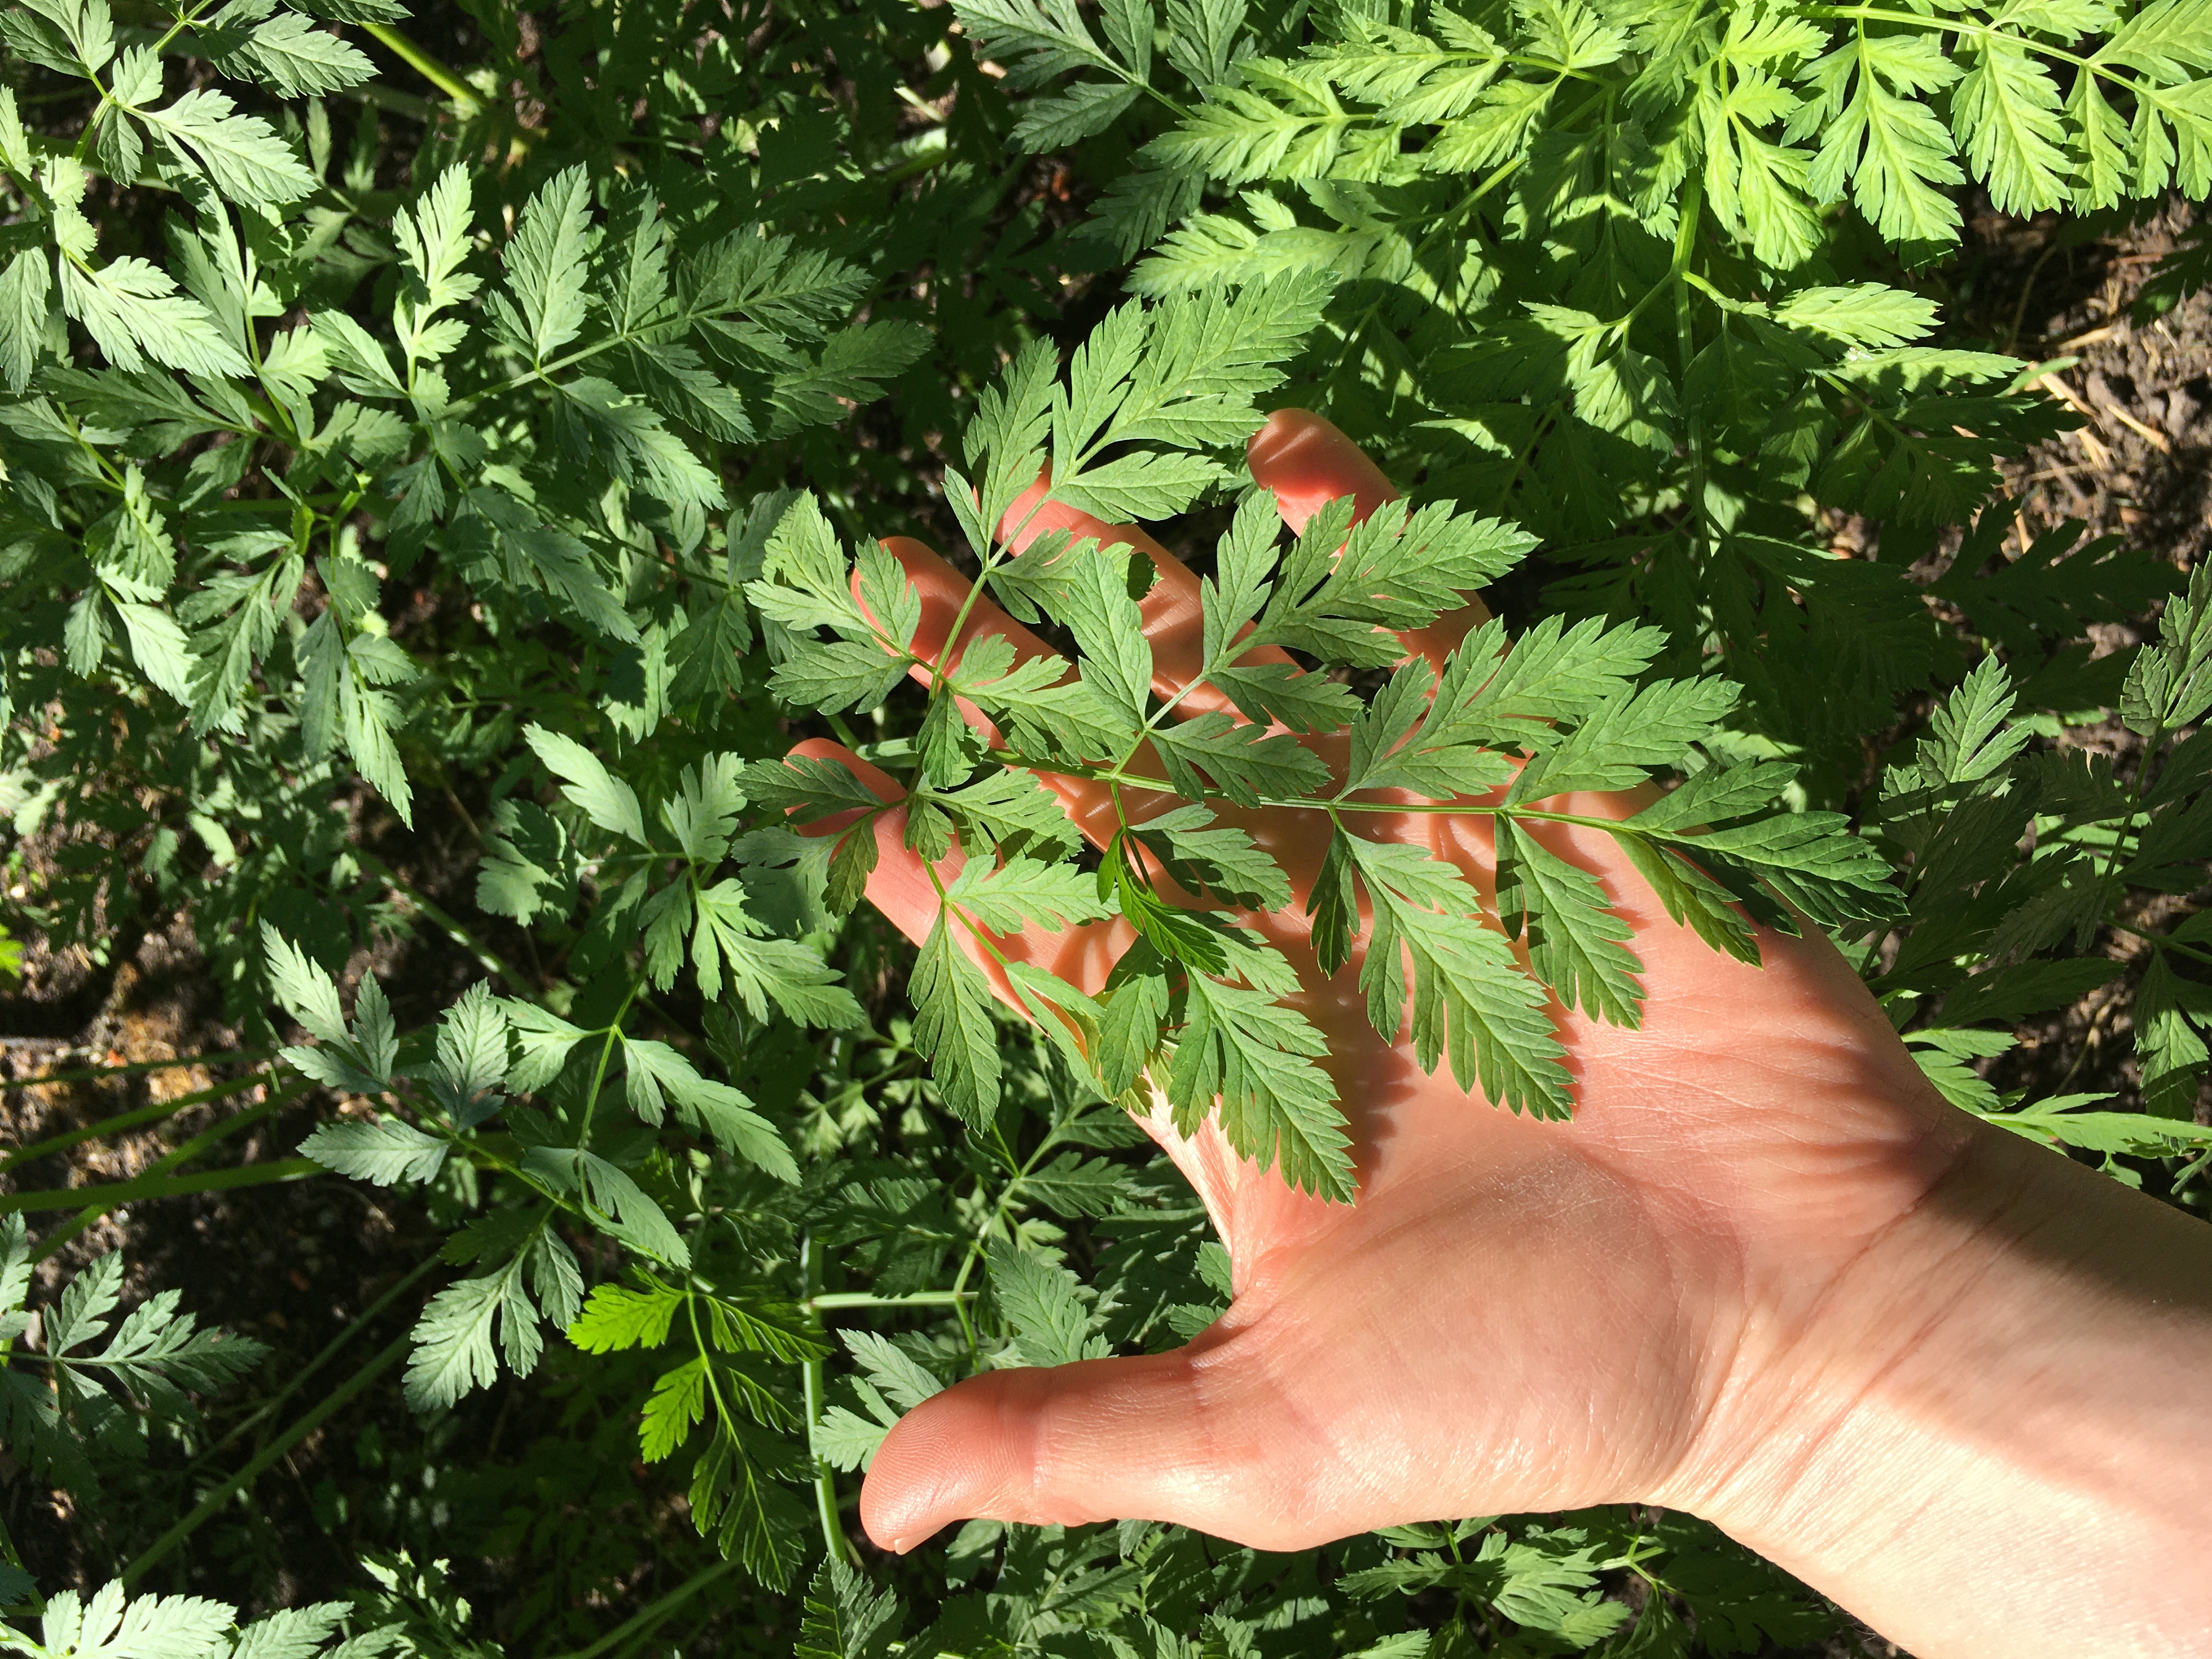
[(511, 461)]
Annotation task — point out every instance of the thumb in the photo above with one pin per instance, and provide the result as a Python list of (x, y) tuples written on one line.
[(1185, 1437)]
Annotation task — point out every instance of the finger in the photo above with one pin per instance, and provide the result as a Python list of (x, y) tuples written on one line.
[(900, 886), (1092, 805), (1187, 1438), (943, 592), (1307, 463), (1173, 617)]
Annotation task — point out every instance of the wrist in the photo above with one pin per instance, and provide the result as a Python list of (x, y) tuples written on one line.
[(2005, 1396)]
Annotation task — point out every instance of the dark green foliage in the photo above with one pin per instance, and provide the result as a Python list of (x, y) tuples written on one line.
[(505, 471)]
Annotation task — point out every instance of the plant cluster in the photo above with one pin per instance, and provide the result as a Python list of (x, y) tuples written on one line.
[(435, 501)]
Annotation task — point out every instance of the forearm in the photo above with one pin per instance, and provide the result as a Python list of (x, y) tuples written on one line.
[(1997, 1439)]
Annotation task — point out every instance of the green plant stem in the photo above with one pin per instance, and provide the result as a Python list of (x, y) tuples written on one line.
[(301, 1376), (184, 1154), (960, 1294), (424, 65), (94, 1074), (600, 1072), (835, 1300), (922, 158), (130, 1119), (1161, 786), (1686, 247), (382, 1361), (129, 1192), (646, 1619), (444, 920), (814, 1382), (391, 98), (1983, 32), (2109, 861), (184, 20)]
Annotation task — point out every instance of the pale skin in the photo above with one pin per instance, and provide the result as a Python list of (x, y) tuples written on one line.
[(1765, 1275)]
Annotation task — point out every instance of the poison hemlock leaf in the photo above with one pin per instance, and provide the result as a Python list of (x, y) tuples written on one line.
[(426, 539)]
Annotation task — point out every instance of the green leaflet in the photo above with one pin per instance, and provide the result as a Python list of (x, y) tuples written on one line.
[(953, 1024), (549, 264), (1469, 999), (845, 1619), (1041, 1300), (241, 155), (1575, 943), (1240, 1046), (441, 489), (109, 1624)]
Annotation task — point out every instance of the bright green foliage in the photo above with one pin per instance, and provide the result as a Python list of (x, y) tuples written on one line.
[(844, 1619), (1999, 937), (90, 1379), (111, 1624), (734, 1497), (1589, 273), (1197, 1003), (504, 471)]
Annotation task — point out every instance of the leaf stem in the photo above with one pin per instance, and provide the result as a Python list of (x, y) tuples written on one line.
[(600, 1072), (377, 1366), (814, 1385), (831, 1301), (424, 65), (131, 1120), (330, 1348), (128, 1192), (643, 1621), (184, 20), (1162, 786), (485, 956), (1686, 235), (106, 1199), (131, 1068)]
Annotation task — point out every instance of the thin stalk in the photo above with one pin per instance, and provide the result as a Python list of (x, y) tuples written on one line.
[(129, 1192), (1541, 431), (424, 65), (184, 20), (835, 1300), (2111, 860), (184, 1154), (813, 1379), (960, 1294), (391, 98), (1161, 786), (1955, 26), (130, 1119), (600, 1072), (330, 1348), (381, 1362), (485, 956), (643, 1621), (1686, 247)]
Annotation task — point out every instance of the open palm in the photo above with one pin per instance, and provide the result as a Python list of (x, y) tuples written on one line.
[(1514, 1314)]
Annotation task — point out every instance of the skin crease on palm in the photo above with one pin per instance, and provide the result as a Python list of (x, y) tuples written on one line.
[(1727, 1286)]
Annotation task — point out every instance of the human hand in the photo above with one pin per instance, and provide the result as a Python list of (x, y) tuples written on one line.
[(1639, 1305)]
